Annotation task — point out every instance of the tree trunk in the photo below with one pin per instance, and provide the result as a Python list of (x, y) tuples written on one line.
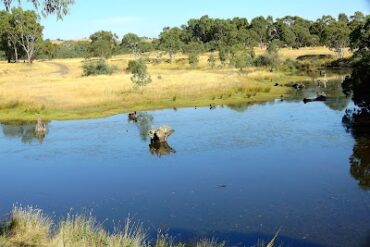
[(15, 54), (172, 56)]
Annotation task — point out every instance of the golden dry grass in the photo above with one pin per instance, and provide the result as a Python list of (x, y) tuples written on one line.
[(57, 90), (30, 227)]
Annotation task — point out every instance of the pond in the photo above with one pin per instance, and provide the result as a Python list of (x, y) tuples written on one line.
[(237, 173)]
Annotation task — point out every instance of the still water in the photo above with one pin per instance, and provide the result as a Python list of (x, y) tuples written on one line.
[(236, 173)]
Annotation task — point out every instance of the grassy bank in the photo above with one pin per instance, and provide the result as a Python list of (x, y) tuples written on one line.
[(30, 227), (57, 90)]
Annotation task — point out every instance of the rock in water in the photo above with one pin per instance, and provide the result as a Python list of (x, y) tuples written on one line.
[(160, 134)]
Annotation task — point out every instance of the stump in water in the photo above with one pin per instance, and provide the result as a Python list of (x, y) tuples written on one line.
[(160, 134), (40, 128)]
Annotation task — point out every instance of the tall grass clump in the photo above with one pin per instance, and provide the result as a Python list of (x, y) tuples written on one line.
[(26, 227), (99, 67), (29, 227)]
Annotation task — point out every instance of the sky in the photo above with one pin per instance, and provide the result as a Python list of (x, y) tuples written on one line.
[(148, 17)]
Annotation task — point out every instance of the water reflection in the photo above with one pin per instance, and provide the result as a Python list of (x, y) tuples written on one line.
[(143, 121), (161, 149), (357, 122), (23, 130)]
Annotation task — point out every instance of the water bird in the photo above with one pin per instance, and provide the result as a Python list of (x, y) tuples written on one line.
[(211, 107)]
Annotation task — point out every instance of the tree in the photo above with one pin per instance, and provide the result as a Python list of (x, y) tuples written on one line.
[(57, 7), (343, 18), (223, 54), (242, 60), (259, 25), (27, 31), (103, 44), (319, 27), (5, 38), (285, 34), (338, 37), (140, 76), (360, 37), (169, 40), (272, 53), (357, 19), (132, 41)]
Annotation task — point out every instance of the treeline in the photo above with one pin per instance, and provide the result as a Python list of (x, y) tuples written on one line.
[(21, 37)]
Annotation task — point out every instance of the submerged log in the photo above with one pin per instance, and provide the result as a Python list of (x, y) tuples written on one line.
[(160, 134), (321, 97)]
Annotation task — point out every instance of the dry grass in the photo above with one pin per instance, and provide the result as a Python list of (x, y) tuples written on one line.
[(56, 90), (30, 227)]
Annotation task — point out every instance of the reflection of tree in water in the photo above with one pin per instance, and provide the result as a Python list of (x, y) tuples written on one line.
[(357, 121), (337, 100), (161, 149), (23, 130), (144, 122)]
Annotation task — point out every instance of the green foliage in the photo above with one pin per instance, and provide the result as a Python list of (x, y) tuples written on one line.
[(338, 36), (360, 36), (103, 44), (138, 69), (291, 66), (48, 49), (99, 67), (242, 60), (132, 42), (193, 59), (20, 34), (73, 49), (57, 7), (223, 54), (170, 41)]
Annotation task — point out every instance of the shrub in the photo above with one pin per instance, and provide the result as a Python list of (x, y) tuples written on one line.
[(193, 59), (291, 65), (98, 68), (212, 61), (139, 71), (262, 60)]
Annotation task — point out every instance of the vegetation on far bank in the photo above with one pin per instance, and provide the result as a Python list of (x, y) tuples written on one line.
[(31, 227), (57, 90)]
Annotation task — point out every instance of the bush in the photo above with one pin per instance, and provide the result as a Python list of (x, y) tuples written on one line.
[(139, 71), (262, 60), (291, 65), (98, 68), (193, 59)]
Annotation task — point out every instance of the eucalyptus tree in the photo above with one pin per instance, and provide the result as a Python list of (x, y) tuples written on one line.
[(25, 30), (132, 42), (170, 41), (260, 25), (55, 7), (103, 44), (338, 36)]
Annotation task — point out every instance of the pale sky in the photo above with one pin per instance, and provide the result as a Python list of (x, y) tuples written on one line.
[(148, 17)]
